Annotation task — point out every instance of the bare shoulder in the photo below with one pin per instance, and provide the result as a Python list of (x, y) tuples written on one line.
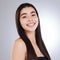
[(18, 49), (20, 43)]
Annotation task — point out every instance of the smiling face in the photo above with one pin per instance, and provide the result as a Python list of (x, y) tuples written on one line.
[(28, 19)]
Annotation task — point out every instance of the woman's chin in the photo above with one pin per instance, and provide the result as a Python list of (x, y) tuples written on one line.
[(30, 30)]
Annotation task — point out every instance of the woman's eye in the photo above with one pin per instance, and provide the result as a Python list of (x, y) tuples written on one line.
[(33, 14), (24, 17)]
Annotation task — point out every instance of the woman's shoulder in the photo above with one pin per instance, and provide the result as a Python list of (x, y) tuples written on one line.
[(20, 43), (18, 49)]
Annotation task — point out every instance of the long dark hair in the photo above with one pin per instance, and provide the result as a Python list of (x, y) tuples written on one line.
[(30, 51)]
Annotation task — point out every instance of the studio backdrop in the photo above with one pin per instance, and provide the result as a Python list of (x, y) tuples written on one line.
[(49, 13)]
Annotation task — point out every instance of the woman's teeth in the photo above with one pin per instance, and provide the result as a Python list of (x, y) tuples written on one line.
[(31, 24)]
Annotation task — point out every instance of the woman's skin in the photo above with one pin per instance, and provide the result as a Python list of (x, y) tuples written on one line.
[(29, 22)]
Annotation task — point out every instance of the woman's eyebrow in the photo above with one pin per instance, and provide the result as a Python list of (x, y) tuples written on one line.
[(33, 12), (26, 13), (23, 14)]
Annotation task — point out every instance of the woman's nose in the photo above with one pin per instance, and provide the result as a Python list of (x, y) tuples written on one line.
[(30, 18)]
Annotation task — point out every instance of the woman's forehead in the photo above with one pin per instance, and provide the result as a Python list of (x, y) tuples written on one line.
[(27, 10)]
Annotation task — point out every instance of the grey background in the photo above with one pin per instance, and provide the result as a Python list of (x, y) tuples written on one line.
[(49, 13)]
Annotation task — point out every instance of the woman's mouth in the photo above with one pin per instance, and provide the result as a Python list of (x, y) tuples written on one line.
[(30, 24)]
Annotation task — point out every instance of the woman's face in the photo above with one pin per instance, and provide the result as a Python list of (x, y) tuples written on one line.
[(28, 19)]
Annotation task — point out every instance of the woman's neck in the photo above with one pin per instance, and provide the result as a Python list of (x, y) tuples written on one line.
[(31, 36)]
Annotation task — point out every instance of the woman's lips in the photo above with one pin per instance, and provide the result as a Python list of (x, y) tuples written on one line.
[(30, 24)]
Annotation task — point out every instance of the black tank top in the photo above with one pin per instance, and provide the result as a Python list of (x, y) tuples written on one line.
[(42, 58)]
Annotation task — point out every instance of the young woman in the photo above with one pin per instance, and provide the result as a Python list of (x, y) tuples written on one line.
[(30, 45)]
